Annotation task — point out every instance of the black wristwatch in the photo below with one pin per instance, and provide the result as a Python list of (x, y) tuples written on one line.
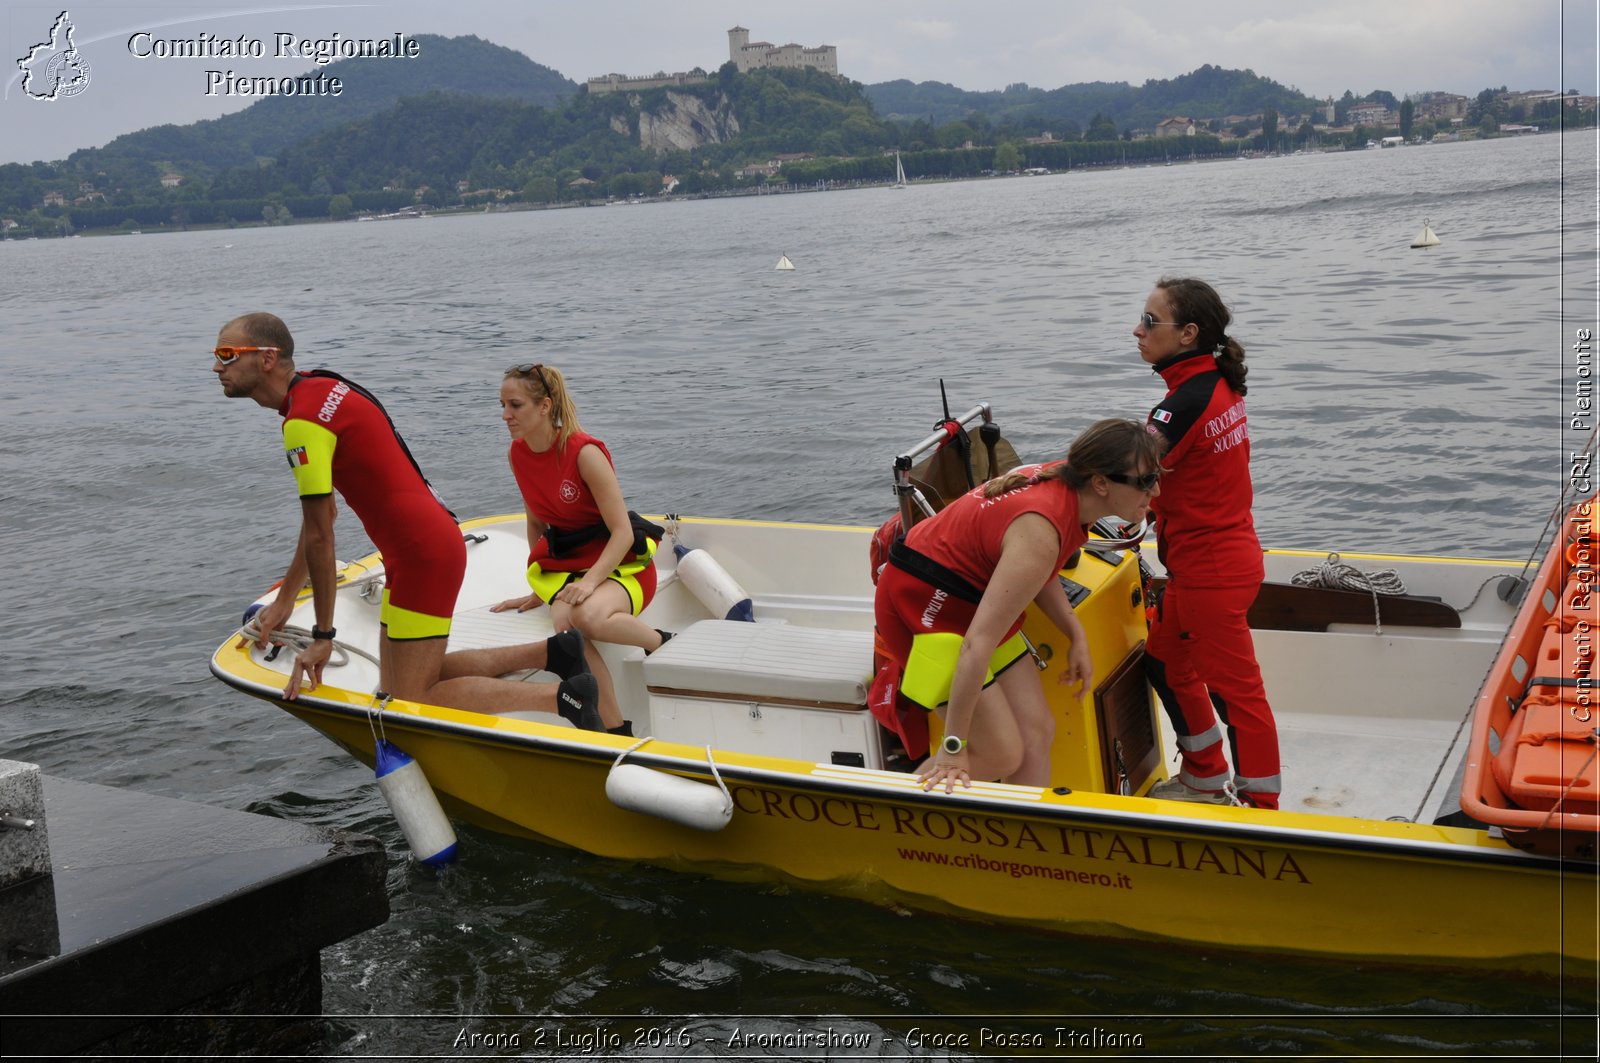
[(953, 745), (318, 634)]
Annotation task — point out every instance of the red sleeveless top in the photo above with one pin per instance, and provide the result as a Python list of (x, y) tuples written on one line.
[(555, 494), (966, 535)]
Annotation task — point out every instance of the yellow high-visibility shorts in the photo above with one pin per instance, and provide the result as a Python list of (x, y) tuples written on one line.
[(931, 665), (637, 577)]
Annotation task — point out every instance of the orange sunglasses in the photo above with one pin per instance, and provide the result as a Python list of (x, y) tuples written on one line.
[(229, 355)]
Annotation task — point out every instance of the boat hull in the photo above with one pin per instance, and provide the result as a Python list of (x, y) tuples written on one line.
[(1089, 864)]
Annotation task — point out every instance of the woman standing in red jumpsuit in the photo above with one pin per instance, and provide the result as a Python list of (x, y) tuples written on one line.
[(1200, 657)]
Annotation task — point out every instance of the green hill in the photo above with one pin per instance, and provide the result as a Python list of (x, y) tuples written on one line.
[(471, 122), (440, 139), (1209, 92), (447, 148), (464, 65)]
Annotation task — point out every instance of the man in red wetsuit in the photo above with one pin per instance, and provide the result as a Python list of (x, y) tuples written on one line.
[(337, 438)]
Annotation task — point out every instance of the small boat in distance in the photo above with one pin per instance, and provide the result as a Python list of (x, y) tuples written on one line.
[(403, 212), (899, 172)]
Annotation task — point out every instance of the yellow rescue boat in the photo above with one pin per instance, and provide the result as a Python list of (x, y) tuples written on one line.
[(759, 760)]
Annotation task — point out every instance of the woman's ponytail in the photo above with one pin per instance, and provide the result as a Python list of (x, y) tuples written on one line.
[(1230, 363), (1196, 301)]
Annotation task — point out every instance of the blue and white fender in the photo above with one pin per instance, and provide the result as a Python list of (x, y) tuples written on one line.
[(415, 807), (711, 585)]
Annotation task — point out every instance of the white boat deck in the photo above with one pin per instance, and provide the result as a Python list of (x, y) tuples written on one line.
[(1366, 717), (1369, 766)]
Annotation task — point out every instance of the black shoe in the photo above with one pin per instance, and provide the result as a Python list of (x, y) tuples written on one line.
[(564, 654), (577, 701), (666, 637), (625, 729)]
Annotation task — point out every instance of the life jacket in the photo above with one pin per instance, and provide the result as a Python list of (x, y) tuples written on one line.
[(564, 543), (897, 713), (883, 540)]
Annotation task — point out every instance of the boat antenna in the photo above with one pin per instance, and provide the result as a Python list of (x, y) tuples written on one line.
[(958, 438)]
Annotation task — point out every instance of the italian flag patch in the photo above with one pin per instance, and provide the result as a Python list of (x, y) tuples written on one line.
[(1161, 415), (297, 457)]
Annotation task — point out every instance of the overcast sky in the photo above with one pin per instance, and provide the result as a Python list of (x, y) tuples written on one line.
[(1404, 46)]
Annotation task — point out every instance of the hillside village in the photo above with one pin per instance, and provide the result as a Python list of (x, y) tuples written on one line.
[(1444, 114)]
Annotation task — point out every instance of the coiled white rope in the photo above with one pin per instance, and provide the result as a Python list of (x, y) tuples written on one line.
[(1335, 574), (297, 639)]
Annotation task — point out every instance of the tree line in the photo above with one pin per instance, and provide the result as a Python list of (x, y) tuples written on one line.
[(447, 149)]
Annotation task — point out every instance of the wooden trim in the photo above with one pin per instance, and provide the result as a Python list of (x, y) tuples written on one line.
[(1288, 607)]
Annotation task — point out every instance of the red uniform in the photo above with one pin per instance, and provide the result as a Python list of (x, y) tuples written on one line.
[(335, 438), (1200, 657), (964, 539), (966, 536), (554, 491)]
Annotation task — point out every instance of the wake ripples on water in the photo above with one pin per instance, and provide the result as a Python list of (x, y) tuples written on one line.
[(1366, 201)]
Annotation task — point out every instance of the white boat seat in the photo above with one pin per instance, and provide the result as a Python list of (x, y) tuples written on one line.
[(781, 664), (480, 629)]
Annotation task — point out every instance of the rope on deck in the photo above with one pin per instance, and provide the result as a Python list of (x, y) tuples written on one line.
[(1335, 574)]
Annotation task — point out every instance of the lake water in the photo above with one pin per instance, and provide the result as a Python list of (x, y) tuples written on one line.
[(1401, 400)]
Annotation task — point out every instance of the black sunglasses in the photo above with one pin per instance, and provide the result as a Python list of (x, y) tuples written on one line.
[(533, 369), (1147, 482)]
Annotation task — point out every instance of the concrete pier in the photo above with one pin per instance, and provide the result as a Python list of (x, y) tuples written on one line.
[(165, 927), (24, 835)]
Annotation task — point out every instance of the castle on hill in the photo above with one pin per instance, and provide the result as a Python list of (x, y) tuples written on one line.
[(745, 56), (763, 56)]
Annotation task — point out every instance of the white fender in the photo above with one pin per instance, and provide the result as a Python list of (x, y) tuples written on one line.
[(710, 583), (671, 797), (415, 806)]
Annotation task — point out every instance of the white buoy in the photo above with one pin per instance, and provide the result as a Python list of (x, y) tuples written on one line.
[(669, 797), (414, 805), (1425, 238), (711, 585), (784, 263)]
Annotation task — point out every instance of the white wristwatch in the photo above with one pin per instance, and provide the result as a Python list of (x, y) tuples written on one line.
[(952, 744)]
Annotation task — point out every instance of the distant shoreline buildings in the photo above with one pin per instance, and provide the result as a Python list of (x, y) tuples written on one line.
[(745, 56)]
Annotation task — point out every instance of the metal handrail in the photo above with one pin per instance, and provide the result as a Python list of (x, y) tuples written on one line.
[(906, 492), (903, 462)]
